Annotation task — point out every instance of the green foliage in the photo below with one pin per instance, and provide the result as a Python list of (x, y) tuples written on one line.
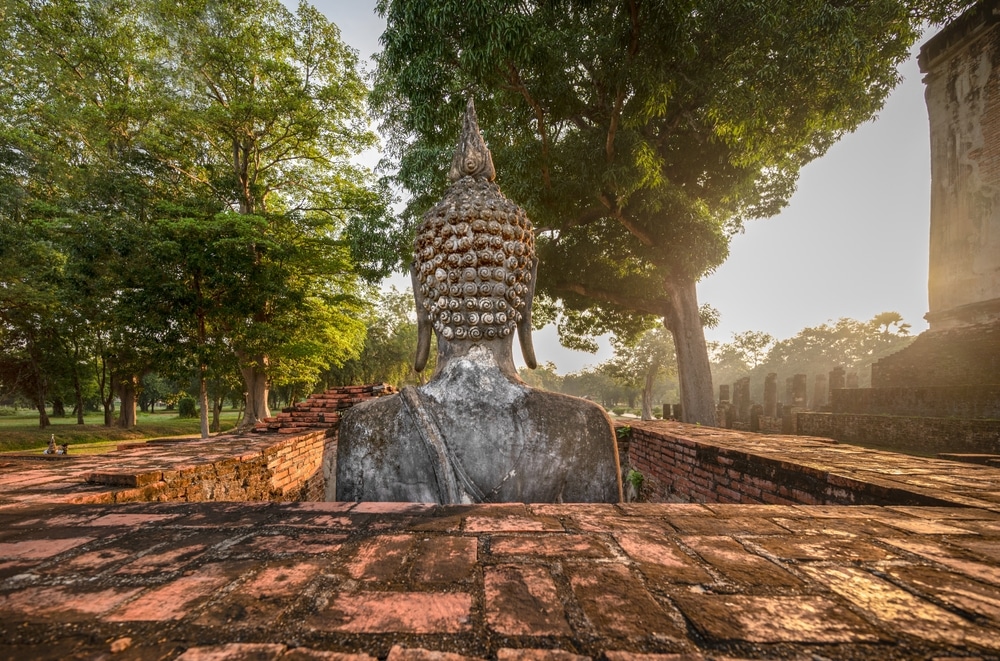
[(180, 175), (187, 407), (639, 136), (623, 433), (543, 377), (635, 478), (390, 343)]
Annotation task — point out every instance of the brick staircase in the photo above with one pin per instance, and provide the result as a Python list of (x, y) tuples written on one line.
[(323, 410)]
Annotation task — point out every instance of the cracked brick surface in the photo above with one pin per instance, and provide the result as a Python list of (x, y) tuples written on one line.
[(293, 581)]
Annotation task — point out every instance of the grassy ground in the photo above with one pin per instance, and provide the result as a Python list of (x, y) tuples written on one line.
[(21, 432)]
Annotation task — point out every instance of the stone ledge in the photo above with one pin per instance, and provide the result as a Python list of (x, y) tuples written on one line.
[(566, 582)]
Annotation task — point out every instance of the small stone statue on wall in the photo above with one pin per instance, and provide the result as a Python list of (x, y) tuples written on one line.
[(475, 432)]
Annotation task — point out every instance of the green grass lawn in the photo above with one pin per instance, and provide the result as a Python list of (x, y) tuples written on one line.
[(21, 432)]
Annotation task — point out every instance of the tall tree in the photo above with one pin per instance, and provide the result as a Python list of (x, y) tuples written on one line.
[(639, 135), (639, 362), (273, 103)]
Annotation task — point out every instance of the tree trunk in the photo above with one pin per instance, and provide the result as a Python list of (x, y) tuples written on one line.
[(203, 403), (78, 394), (107, 391), (127, 395), (109, 411), (43, 417), (693, 369), (216, 412), (647, 391), (256, 391), (58, 408)]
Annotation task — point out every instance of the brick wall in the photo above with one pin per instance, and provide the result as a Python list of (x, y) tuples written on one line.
[(980, 401), (287, 469), (956, 357), (927, 436), (676, 468)]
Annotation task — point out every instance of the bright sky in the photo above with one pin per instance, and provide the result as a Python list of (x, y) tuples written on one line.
[(852, 242)]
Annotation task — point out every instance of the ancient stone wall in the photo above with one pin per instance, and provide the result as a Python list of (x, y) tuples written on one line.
[(287, 469), (933, 402), (963, 107), (927, 436), (726, 467), (944, 358)]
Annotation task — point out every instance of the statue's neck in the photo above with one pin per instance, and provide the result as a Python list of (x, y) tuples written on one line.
[(481, 356)]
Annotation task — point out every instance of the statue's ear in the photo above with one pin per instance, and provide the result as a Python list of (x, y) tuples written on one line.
[(524, 326), (423, 324)]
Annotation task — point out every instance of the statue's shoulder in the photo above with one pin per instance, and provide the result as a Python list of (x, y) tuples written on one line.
[(566, 408), (376, 408)]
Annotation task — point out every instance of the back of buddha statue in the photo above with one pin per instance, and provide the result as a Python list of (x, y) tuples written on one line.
[(475, 432)]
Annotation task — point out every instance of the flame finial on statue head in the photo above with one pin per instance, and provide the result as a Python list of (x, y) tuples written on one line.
[(472, 157)]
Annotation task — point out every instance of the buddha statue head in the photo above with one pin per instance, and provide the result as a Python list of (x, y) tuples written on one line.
[(474, 263)]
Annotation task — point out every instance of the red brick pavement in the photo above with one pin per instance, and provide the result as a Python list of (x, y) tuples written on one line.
[(508, 582)]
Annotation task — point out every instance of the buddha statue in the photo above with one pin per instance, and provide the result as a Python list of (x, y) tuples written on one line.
[(475, 432)]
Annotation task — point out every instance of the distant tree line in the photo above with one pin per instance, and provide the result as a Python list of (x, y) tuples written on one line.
[(848, 343), (176, 198)]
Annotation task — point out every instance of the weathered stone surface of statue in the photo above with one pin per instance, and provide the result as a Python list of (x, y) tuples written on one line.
[(475, 432)]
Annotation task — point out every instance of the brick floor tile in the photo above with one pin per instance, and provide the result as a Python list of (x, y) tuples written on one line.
[(639, 656), (922, 526), (737, 525), (511, 523), (557, 510), (728, 510), (612, 522), (392, 508), (946, 513), (660, 557), (234, 652), (89, 563), (308, 654), (900, 611), (665, 509), (14, 567), (846, 527), (131, 520), (535, 654), (319, 520), (950, 558), (320, 506), (842, 511), (398, 653), (523, 601), (802, 619), (617, 604), (39, 549), (550, 546), (162, 560), (397, 612), (265, 596), (737, 564), (821, 548), (175, 599), (305, 543), (381, 558), (445, 559), (953, 589), (61, 603), (984, 548)]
